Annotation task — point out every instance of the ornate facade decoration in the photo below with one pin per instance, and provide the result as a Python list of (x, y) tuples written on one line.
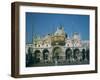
[(57, 49)]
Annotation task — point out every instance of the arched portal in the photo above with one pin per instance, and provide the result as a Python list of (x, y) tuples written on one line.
[(77, 55), (37, 56), (45, 55), (68, 54), (57, 51)]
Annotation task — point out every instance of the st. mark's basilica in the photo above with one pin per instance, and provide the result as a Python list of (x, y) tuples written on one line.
[(57, 48)]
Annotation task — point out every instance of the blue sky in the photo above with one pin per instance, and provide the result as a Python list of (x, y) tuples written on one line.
[(45, 23)]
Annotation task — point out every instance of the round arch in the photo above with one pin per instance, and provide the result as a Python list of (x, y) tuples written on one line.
[(56, 54), (37, 56), (76, 53), (45, 54), (68, 53)]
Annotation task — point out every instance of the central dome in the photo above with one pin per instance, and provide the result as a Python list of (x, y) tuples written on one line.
[(60, 31), (59, 37)]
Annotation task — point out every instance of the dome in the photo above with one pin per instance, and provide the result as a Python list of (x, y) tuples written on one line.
[(60, 31), (76, 35)]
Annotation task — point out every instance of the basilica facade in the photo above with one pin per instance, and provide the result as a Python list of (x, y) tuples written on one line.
[(58, 48)]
